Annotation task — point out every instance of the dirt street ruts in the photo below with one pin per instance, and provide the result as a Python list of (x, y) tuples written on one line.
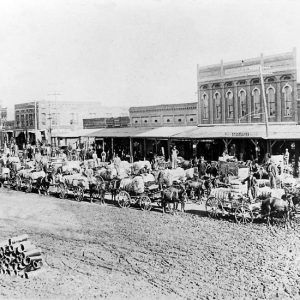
[(94, 250)]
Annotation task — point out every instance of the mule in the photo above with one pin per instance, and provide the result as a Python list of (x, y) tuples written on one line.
[(274, 207)]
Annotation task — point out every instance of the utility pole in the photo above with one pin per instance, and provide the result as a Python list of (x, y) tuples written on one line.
[(55, 94), (265, 101), (35, 122)]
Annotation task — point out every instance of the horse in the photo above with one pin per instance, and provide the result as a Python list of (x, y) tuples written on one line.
[(172, 196), (43, 183), (97, 190), (212, 170), (274, 207)]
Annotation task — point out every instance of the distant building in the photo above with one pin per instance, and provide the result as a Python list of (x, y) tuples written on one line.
[(95, 123), (183, 114), (49, 116)]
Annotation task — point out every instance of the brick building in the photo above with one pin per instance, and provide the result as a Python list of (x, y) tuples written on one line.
[(183, 114), (51, 117), (232, 92)]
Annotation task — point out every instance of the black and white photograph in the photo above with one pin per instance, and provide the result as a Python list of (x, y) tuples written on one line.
[(150, 149)]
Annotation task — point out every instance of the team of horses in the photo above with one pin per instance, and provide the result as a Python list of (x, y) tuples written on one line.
[(178, 193)]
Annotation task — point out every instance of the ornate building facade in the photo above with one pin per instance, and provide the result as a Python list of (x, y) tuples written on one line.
[(232, 92)]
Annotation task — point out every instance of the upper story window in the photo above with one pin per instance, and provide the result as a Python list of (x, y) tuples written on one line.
[(287, 96), (243, 108), (271, 101), (218, 105), (229, 96), (256, 101), (205, 106)]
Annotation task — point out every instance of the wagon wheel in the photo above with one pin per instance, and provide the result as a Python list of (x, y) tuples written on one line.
[(29, 186), (62, 191), (212, 207), (145, 203), (18, 183), (243, 215), (78, 193), (123, 199)]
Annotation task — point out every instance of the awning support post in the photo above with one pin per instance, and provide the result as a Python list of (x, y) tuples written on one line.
[(297, 154), (112, 146), (169, 150), (144, 148), (226, 142), (131, 150)]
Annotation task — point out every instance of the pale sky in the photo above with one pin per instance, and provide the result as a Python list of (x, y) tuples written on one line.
[(132, 53)]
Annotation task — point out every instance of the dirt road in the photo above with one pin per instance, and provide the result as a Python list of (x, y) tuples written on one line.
[(105, 251)]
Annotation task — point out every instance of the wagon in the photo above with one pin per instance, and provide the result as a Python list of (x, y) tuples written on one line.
[(229, 202), (144, 200), (26, 179), (74, 186)]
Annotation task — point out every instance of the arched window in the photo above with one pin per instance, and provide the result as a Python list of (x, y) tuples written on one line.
[(271, 101), (287, 95), (256, 100), (229, 96), (218, 105), (205, 106), (243, 108)]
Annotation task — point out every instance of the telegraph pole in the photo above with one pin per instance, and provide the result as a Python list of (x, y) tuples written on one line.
[(55, 94), (265, 101)]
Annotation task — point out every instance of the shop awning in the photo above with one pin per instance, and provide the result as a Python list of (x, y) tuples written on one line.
[(224, 131), (118, 132), (284, 132), (74, 134), (165, 132)]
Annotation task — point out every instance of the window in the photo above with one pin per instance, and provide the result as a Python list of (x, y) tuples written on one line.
[(256, 100), (145, 121), (218, 105), (243, 108), (168, 120), (271, 101), (179, 120), (287, 96), (229, 95), (191, 119), (135, 121), (155, 121), (205, 106)]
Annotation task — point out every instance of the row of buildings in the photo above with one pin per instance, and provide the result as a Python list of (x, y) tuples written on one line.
[(247, 107)]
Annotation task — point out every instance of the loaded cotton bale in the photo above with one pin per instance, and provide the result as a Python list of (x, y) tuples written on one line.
[(148, 178), (189, 173), (126, 184), (138, 165), (169, 176), (14, 159), (69, 166), (36, 175), (138, 184)]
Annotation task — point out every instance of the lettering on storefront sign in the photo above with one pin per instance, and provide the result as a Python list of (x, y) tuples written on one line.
[(254, 68), (241, 134)]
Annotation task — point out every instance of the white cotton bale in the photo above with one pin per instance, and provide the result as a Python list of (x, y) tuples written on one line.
[(36, 175), (14, 159), (138, 184), (5, 171), (148, 178), (178, 174), (189, 173)]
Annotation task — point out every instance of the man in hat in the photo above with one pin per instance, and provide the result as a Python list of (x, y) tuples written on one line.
[(272, 172), (251, 185), (174, 156)]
